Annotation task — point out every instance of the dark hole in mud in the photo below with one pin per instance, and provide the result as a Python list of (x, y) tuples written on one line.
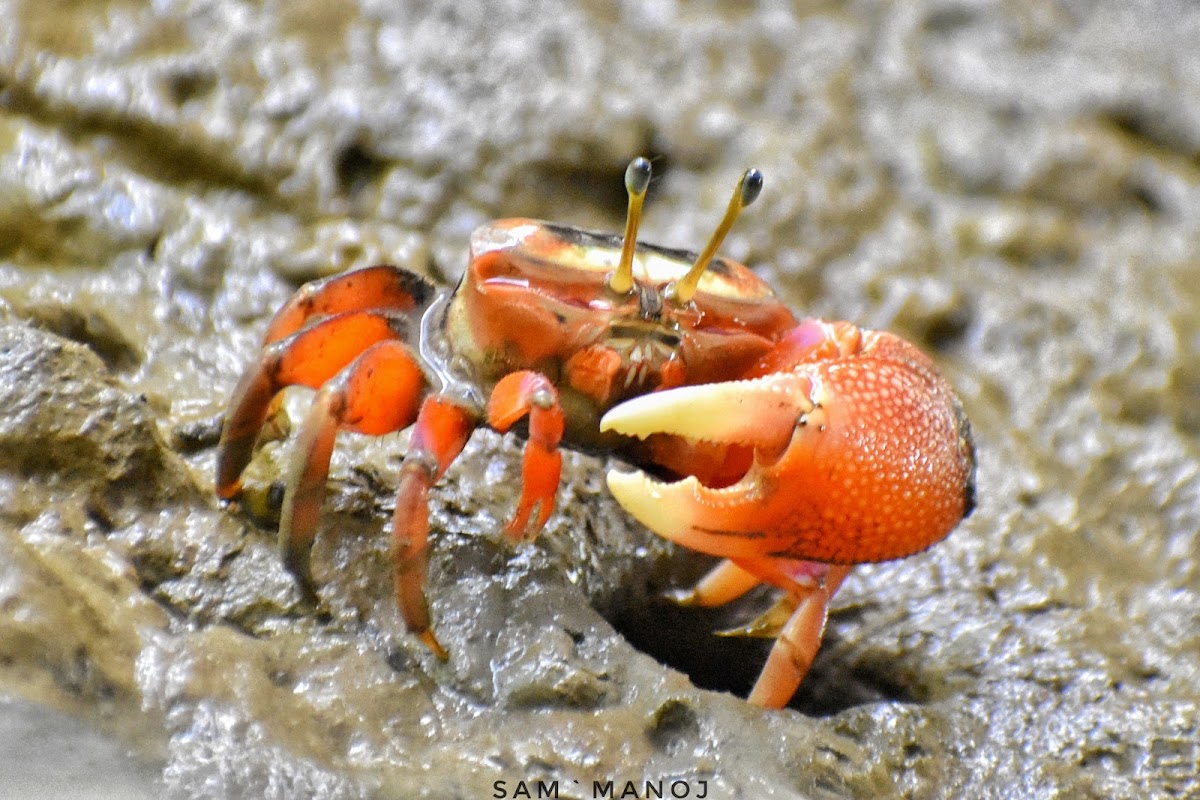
[(196, 435), (684, 639), (357, 168), (943, 331), (835, 684), (403, 661), (190, 85), (1149, 130), (567, 194), (91, 328), (674, 725), (950, 21), (1143, 195)]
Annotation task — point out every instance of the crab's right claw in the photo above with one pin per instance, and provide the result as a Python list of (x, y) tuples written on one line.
[(856, 459)]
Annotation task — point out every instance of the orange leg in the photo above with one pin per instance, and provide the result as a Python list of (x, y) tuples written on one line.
[(376, 394), (381, 288), (725, 583), (308, 358), (800, 637), (516, 395), (440, 434)]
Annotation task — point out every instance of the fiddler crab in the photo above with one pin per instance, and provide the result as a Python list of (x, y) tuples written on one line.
[(792, 449)]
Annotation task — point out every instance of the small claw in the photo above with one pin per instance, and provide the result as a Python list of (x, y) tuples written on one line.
[(540, 476), (530, 393), (760, 412)]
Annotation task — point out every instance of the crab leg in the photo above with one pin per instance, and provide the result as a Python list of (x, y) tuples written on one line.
[(307, 358), (518, 394), (797, 623), (377, 393), (381, 287), (798, 640), (725, 583), (441, 432)]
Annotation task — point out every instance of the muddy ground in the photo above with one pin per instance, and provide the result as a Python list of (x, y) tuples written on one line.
[(1013, 185)]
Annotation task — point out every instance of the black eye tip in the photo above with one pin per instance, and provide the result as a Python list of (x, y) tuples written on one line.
[(752, 184), (637, 175)]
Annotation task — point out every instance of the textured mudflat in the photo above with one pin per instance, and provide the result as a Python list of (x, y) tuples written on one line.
[(1015, 187)]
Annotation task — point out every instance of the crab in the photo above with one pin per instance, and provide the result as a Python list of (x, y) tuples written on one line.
[(792, 449)]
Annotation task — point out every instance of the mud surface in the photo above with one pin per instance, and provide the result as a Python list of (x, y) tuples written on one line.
[(1015, 186)]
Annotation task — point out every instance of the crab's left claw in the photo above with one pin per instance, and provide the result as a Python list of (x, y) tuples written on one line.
[(858, 457)]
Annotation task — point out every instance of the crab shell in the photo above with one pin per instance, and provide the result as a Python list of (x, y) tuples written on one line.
[(536, 297)]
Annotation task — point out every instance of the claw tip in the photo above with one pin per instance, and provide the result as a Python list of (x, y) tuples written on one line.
[(662, 507)]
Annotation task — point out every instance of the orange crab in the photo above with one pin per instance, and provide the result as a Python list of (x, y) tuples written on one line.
[(791, 449)]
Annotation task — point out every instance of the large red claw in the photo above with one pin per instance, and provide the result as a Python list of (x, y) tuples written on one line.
[(858, 458)]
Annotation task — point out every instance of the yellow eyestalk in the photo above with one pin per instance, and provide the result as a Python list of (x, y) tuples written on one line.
[(637, 181), (744, 194)]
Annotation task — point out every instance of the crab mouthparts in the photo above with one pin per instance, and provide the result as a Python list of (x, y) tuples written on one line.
[(760, 413)]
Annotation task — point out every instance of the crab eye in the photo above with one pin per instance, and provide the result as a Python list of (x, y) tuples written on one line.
[(637, 181), (745, 193)]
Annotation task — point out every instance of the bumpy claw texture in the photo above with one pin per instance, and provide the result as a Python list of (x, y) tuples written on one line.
[(863, 456)]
